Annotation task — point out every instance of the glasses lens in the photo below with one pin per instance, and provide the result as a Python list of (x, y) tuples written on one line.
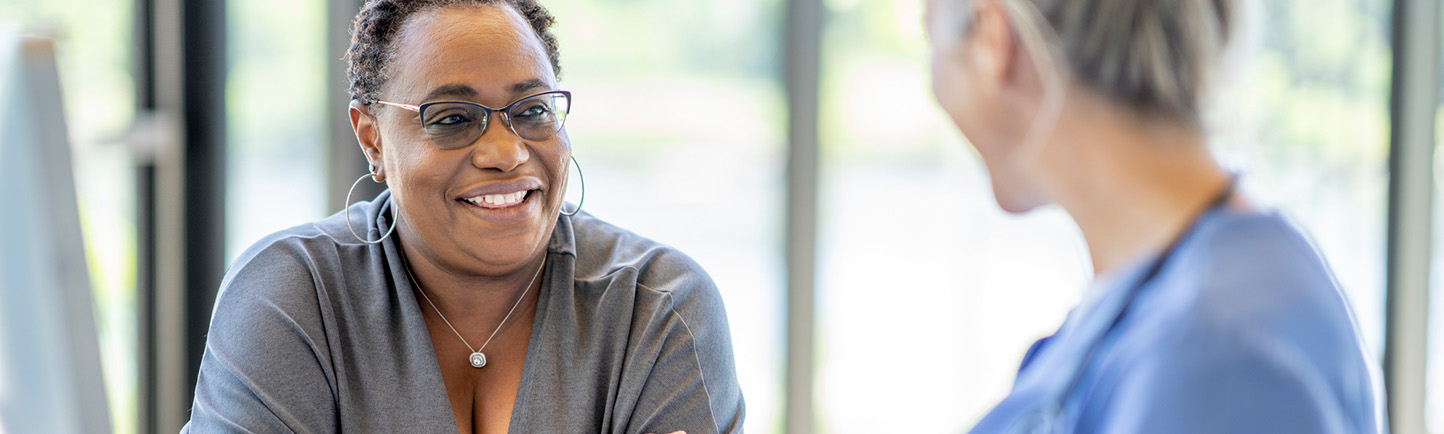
[(540, 116), (453, 125)]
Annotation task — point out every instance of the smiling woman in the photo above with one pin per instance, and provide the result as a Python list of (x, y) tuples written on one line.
[(468, 285)]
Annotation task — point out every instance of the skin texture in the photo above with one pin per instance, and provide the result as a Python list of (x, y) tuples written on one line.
[(992, 100), (1132, 181), (472, 262)]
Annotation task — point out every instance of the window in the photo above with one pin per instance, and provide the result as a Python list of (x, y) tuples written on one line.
[(1434, 369), (94, 40), (276, 118)]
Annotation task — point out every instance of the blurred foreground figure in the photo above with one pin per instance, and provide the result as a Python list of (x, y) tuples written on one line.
[(1208, 314)]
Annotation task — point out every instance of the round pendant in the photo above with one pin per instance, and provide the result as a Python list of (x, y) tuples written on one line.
[(478, 359)]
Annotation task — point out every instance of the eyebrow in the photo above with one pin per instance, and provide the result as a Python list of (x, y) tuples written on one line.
[(528, 85), (452, 90), (464, 91)]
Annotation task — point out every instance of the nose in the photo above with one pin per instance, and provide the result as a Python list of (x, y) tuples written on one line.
[(498, 148)]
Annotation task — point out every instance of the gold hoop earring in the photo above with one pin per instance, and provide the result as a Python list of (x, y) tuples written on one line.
[(372, 172), (583, 180)]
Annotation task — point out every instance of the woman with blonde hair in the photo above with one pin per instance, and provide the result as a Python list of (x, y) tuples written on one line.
[(1209, 313)]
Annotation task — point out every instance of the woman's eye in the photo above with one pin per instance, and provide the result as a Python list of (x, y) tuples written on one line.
[(534, 112), (450, 120)]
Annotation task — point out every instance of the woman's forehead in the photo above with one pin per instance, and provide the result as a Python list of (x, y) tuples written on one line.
[(489, 48)]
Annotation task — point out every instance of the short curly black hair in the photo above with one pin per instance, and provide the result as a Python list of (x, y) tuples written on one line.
[(376, 26)]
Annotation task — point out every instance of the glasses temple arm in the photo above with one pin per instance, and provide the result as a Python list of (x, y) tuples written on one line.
[(393, 104)]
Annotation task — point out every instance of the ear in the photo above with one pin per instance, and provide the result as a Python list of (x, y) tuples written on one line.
[(364, 124), (993, 47)]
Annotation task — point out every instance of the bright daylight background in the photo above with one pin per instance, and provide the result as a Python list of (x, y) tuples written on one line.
[(928, 295)]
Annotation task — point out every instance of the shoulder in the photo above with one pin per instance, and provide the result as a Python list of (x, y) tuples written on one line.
[(1256, 247), (680, 367), (290, 254), (670, 298), (604, 250), (287, 269), (285, 289), (1251, 272), (1246, 320), (267, 363)]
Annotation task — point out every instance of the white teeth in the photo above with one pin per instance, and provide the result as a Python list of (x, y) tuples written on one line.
[(499, 199)]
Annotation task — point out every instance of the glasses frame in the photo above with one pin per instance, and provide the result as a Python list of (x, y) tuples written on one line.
[(486, 119)]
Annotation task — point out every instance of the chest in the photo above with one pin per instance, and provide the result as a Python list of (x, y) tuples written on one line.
[(1067, 380), (482, 399)]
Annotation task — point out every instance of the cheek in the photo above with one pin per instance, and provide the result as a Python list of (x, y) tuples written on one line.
[(943, 86), (406, 169), (398, 144), (975, 116), (957, 100), (564, 144), (953, 91), (559, 168), (938, 87), (417, 171)]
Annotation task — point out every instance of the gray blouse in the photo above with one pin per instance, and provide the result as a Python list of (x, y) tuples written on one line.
[(316, 332)]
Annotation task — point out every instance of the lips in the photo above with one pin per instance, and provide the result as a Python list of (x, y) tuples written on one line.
[(499, 195), (503, 200)]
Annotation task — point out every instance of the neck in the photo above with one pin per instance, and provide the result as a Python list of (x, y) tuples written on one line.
[(1132, 185), (470, 298)]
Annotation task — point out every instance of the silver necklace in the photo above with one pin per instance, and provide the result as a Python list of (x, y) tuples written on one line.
[(477, 358)]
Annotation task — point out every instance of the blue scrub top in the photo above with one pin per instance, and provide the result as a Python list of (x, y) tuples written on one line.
[(1242, 330)]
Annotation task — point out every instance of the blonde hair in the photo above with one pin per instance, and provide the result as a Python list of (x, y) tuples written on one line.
[(1154, 56)]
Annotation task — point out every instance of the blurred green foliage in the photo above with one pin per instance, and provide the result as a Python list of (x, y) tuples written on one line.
[(1319, 87)]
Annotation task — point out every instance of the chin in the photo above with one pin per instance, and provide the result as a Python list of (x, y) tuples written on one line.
[(1013, 206), (501, 255), (1011, 199)]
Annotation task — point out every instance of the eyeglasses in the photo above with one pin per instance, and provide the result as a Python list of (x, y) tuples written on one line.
[(456, 124)]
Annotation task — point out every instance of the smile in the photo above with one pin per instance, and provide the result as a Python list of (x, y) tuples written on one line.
[(504, 200)]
